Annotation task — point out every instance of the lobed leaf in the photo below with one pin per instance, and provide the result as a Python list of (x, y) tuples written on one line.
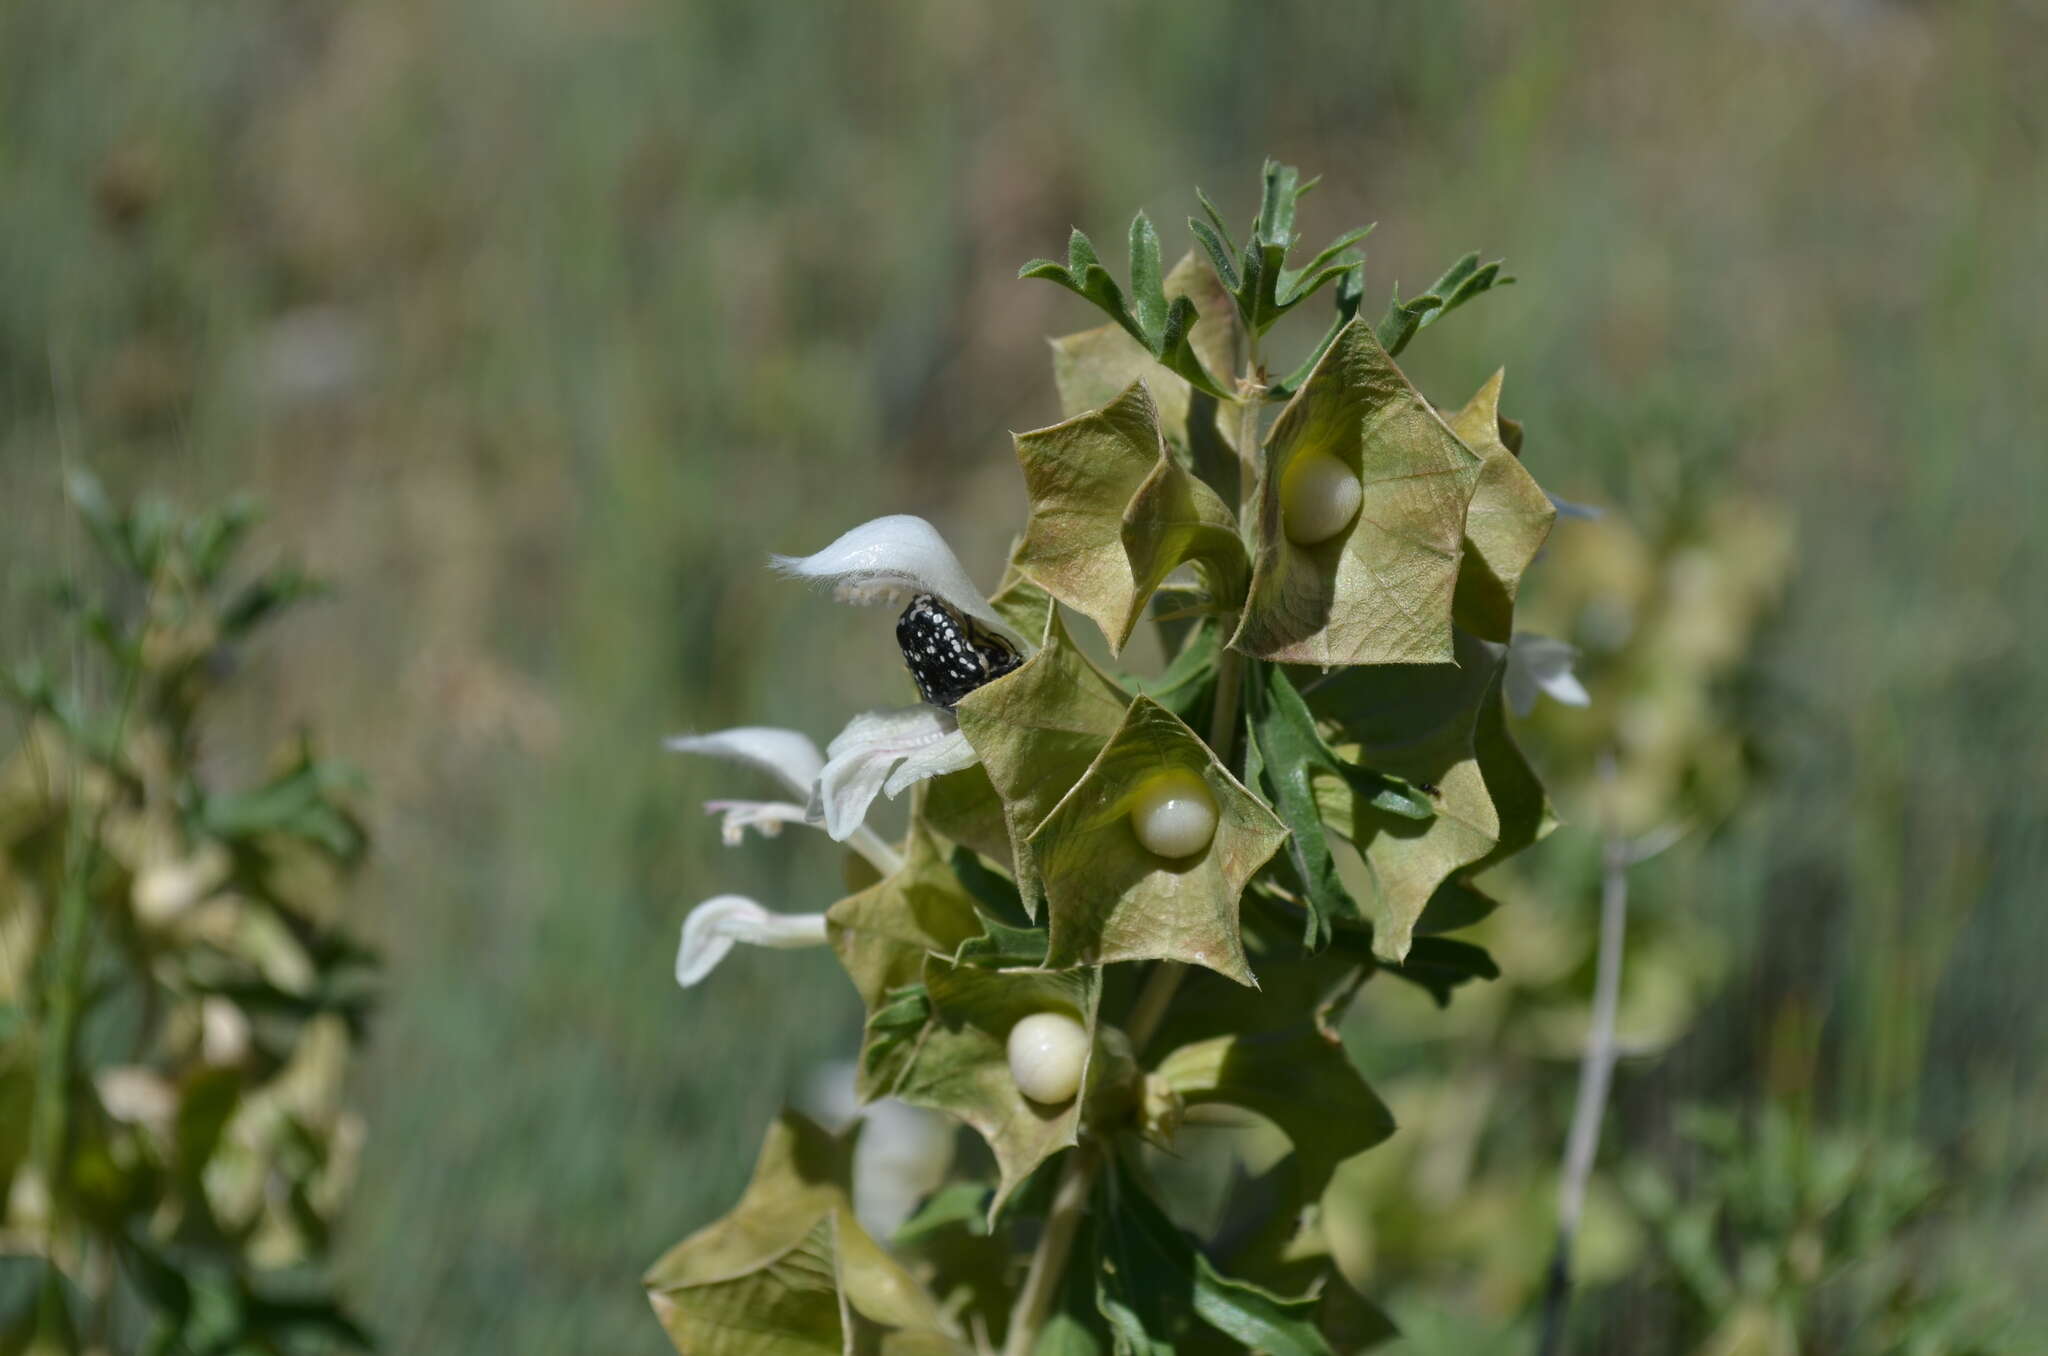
[(1509, 518), (1037, 729), (1379, 592), (1438, 726), (1112, 514), (1155, 1287), (1297, 1077), (790, 1271), (962, 1064), (1109, 898)]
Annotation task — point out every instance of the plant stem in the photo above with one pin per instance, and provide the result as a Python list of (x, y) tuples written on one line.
[(1049, 1263), (1595, 1074), (1077, 1179)]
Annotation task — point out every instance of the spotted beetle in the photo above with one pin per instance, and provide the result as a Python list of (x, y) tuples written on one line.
[(950, 655)]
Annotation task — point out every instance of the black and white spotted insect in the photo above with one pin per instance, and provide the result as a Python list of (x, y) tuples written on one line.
[(950, 655)]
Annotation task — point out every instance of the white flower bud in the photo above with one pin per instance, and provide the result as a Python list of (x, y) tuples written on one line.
[(1048, 1051), (1319, 496), (1174, 815)]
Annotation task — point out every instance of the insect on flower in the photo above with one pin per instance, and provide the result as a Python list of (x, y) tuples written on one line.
[(950, 654)]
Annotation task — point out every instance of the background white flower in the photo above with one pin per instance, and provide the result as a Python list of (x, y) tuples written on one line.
[(1539, 664), (792, 758), (903, 1154)]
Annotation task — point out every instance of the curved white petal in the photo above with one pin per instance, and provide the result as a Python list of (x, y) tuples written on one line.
[(889, 560), (713, 926), (1539, 664), (789, 756), (765, 817), (886, 751)]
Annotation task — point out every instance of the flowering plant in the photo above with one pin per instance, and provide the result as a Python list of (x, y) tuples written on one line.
[(180, 993), (1125, 905)]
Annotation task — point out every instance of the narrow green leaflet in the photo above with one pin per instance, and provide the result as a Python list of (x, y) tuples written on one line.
[(1379, 592), (1300, 1079), (889, 1040), (1109, 898), (1090, 367), (1003, 947), (1287, 755), (1460, 283), (962, 1066), (789, 1271), (1154, 1287), (1421, 723), (1258, 278), (1112, 514), (1164, 327), (883, 933), (1036, 730), (1505, 527)]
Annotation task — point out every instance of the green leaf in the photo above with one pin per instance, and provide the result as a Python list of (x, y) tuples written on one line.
[(1505, 526), (1457, 904), (1290, 751), (1438, 727), (1380, 591), (889, 1040), (300, 802), (1036, 730), (1109, 898), (1461, 282), (789, 1271), (1160, 330), (883, 933), (1186, 686), (1258, 279), (962, 1065), (1440, 964), (1154, 1286), (961, 1204), (1112, 514), (1297, 1077), (1002, 946)]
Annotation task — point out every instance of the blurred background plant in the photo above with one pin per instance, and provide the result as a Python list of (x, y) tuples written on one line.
[(178, 995), (527, 319)]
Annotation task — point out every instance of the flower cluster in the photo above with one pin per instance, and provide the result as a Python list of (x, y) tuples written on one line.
[(1121, 899)]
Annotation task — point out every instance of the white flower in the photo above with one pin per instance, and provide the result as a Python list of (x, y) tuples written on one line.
[(789, 756), (713, 926), (890, 560), (1538, 664), (886, 752), (792, 758), (903, 1154)]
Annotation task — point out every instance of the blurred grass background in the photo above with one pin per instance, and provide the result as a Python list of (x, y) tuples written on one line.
[(537, 326)]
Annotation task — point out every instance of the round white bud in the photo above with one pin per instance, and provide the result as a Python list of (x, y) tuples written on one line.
[(1047, 1053), (1174, 815), (1319, 496)]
